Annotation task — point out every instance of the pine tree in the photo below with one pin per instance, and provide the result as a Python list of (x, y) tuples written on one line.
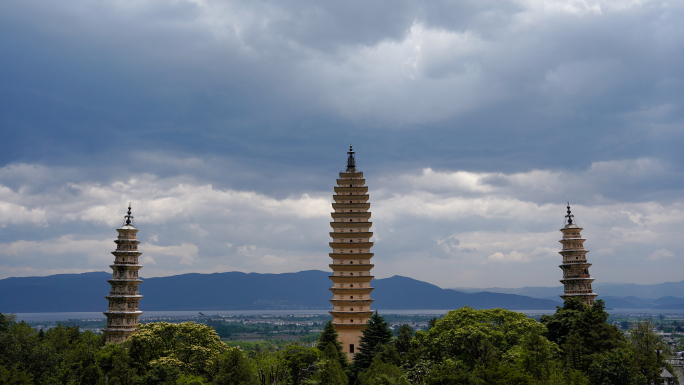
[(403, 341), (329, 336), (377, 332)]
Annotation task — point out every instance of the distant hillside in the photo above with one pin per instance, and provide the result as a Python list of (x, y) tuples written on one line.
[(240, 291), (647, 292), (631, 302), (528, 291)]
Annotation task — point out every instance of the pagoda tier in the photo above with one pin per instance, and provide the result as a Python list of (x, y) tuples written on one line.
[(351, 266), (576, 279), (123, 313)]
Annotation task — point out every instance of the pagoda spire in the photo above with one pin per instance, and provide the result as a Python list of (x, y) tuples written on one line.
[(351, 160), (123, 313), (576, 279), (351, 277), (569, 217), (129, 217)]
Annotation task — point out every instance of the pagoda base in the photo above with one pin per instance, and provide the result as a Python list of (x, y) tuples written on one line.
[(349, 336), (117, 336)]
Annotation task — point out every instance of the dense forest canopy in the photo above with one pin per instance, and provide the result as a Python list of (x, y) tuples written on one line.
[(574, 346)]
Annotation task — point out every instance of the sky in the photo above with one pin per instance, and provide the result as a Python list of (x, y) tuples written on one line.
[(225, 124)]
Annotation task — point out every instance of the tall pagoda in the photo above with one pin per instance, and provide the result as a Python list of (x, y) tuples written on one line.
[(351, 278), (576, 279), (123, 313)]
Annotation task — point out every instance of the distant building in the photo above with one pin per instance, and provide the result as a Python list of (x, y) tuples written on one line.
[(123, 313), (666, 378), (576, 279), (678, 368), (351, 256)]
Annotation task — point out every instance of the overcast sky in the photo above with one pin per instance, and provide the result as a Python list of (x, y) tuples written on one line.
[(225, 123)]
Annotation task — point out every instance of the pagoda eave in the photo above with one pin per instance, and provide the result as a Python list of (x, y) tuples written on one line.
[(127, 253), (122, 266), (590, 294), (351, 279), (577, 280), (134, 281), (574, 264), (568, 240), (578, 251), (347, 255), (569, 228), (355, 199), (361, 314), (119, 332), (352, 175), (349, 206), (356, 181), (356, 267), (351, 245), (351, 234), (357, 214), (351, 290), (353, 225), (124, 296), (351, 302), (343, 188), (122, 313)]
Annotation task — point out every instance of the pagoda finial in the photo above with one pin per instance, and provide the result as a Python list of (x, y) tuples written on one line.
[(569, 215), (128, 216), (351, 161)]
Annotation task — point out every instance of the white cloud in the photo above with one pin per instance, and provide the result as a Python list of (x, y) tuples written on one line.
[(475, 222), (187, 253), (661, 254), (64, 245), (158, 200), (148, 260), (513, 256)]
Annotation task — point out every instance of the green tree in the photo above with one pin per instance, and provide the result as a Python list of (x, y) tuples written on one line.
[(377, 332), (14, 376), (330, 371), (616, 368), (503, 373), (475, 337), (92, 375), (116, 364), (537, 354), (649, 351), (189, 346), (330, 336), (381, 373), (403, 341), (300, 362), (582, 332), (450, 372), (387, 353), (162, 373), (233, 368), (22, 350)]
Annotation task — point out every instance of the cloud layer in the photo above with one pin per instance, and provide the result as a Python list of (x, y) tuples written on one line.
[(451, 228)]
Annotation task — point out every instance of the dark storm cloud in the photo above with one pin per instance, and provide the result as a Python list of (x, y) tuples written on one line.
[(504, 84)]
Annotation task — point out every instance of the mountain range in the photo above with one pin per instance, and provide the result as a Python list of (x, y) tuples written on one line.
[(305, 290)]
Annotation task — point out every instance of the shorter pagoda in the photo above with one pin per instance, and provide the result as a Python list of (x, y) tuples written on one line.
[(123, 313), (576, 279)]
